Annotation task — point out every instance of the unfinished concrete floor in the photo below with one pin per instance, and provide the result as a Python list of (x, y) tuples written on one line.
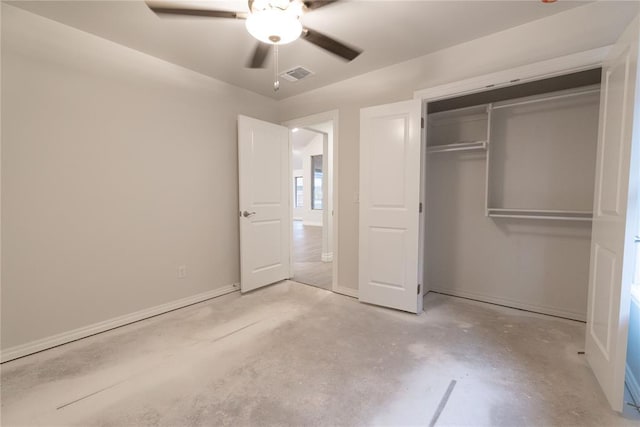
[(292, 354)]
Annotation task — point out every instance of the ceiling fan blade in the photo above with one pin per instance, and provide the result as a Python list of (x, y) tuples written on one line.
[(316, 4), (207, 13), (259, 55), (331, 45)]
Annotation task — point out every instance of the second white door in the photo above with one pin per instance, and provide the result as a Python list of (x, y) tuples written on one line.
[(389, 205)]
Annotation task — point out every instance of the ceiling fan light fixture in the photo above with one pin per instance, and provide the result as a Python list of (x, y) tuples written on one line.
[(274, 26)]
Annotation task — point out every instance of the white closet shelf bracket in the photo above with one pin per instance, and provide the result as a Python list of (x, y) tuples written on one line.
[(458, 146)]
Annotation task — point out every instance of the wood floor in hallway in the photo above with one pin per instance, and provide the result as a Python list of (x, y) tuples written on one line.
[(308, 267)]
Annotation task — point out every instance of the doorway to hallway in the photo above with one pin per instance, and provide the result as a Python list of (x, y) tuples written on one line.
[(312, 203), (308, 266)]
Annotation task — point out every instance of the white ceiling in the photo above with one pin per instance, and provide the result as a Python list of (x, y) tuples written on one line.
[(301, 138), (299, 141), (387, 31)]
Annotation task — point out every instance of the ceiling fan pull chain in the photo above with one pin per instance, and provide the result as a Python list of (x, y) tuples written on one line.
[(276, 82)]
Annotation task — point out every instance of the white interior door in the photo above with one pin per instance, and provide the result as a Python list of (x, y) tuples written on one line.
[(263, 167), (389, 201), (611, 270)]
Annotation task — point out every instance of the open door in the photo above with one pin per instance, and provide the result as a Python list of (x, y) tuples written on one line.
[(265, 222), (614, 216), (389, 205)]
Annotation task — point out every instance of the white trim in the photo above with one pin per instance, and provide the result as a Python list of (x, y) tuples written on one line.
[(422, 221), (353, 293), (333, 117), (553, 311), (632, 383), (539, 70), (85, 331), (327, 257), (635, 293), (311, 224), (630, 379)]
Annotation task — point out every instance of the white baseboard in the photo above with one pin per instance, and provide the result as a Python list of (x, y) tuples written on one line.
[(346, 291), (553, 311), (632, 383), (66, 337), (312, 224), (327, 257)]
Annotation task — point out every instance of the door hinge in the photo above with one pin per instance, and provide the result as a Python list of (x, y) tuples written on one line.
[(421, 122), (420, 208), (419, 286)]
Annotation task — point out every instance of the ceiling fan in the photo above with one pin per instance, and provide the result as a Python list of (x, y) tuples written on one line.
[(272, 23)]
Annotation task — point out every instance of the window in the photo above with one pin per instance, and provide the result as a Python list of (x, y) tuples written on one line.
[(299, 202), (316, 188)]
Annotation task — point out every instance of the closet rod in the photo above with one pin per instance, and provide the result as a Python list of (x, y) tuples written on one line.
[(458, 146), (549, 98), (562, 218)]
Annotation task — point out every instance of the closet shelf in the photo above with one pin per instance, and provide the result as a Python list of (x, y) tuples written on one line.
[(508, 104), (475, 112), (458, 146), (562, 215)]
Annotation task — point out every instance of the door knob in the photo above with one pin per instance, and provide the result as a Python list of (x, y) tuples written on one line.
[(247, 214)]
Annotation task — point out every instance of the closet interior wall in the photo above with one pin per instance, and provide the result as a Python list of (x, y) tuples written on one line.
[(509, 193)]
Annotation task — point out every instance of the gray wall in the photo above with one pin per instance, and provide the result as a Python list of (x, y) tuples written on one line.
[(117, 167)]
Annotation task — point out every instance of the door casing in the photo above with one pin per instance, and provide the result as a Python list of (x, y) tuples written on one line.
[(333, 145)]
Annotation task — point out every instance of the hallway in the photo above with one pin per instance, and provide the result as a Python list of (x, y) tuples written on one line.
[(308, 267)]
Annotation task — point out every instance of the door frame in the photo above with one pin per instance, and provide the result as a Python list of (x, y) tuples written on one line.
[(332, 145), (573, 63), (531, 72), (509, 77)]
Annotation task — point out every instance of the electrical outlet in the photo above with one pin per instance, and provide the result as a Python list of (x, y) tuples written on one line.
[(182, 271)]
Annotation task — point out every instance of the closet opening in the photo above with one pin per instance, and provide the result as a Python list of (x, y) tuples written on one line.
[(508, 186)]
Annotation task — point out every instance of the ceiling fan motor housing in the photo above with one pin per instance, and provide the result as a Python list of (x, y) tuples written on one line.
[(292, 6), (275, 21)]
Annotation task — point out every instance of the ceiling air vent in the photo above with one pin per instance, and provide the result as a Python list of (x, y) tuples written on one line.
[(296, 74)]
